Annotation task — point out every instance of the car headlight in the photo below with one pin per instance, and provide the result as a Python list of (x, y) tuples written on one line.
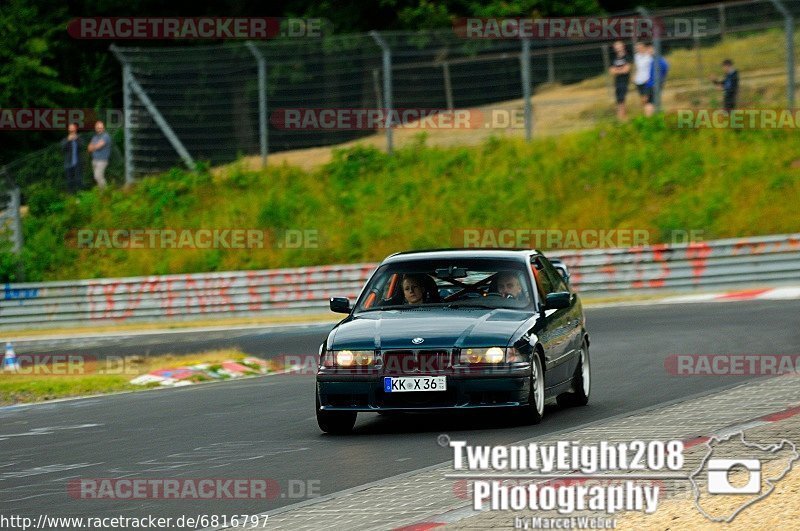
[(349, 358), (484, 355)]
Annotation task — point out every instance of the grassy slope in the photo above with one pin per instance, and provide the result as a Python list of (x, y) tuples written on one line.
[(644, 175)]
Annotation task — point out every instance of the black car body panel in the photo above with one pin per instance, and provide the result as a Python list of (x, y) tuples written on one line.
[(429, 340)]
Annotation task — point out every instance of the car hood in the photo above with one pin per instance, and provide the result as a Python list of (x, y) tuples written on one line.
[(445, 328)]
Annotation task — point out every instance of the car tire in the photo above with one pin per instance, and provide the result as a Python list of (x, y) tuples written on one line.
[(336, 422), (534, 411), (581, 382)]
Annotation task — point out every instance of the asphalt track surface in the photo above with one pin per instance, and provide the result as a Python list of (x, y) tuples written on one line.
[(265, 427)]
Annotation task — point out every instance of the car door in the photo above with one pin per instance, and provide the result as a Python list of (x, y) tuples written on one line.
[(554, 334), (569, 319)]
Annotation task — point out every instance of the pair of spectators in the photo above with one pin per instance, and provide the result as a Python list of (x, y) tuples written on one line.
[(644, 76), (99, 147)]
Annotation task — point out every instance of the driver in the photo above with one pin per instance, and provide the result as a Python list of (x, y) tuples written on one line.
[(508, 285)]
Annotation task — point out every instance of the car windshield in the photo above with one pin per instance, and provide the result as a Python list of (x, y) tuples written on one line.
[(466, 283)]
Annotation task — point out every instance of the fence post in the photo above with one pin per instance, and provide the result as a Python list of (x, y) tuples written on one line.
[(699, 55), (551, 67), (606, 67), (448, 87), (262, 101), (656, 58), (722, 22), (158, 118), (128, 130), (789, 25), (387, 86), (525, 71)]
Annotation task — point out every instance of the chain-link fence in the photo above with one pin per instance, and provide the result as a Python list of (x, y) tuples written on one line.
[(217, 103), (208, 104)]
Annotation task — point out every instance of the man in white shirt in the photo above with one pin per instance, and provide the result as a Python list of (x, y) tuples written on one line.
[(643, 60)]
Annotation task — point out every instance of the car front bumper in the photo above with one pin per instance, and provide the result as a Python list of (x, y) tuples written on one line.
[(365, 392)]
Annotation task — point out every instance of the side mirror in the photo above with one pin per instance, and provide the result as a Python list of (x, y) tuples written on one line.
[(559, 299), (340, 305)]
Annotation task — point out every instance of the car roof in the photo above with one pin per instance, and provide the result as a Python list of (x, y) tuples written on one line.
[(453, 254)]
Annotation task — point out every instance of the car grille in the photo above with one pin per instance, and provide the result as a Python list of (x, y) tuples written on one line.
[(416, 361)]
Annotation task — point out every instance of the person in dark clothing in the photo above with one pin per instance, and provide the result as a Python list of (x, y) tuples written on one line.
[(621, 70), (71, 147), (729, 85)]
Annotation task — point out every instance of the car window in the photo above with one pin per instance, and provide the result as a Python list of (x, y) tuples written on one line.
[(490, 283), (539, 271), (556, 280)]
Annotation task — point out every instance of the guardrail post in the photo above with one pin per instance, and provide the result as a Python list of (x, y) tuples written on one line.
[(789, 28), (387, 86), (525, 74), (17, 238), (262, 101)]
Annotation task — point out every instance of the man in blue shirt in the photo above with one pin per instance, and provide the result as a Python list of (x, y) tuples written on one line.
[(71, 147), (100, 148), (729, 84), (663, 69)]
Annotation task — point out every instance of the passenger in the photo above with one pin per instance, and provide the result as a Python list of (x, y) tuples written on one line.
[(413, 289), (508, 285)]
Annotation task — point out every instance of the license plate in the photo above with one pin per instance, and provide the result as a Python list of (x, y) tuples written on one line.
[(414, 383)]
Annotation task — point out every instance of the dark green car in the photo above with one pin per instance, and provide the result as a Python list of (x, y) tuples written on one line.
[(453, 330)]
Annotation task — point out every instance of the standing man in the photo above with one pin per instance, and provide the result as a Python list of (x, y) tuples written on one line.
[(642, 60), (100, 148), (621, 70), (71, 147), (729, 85), (663, 70)]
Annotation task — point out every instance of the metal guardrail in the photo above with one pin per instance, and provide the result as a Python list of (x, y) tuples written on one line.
[(753, 261)]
